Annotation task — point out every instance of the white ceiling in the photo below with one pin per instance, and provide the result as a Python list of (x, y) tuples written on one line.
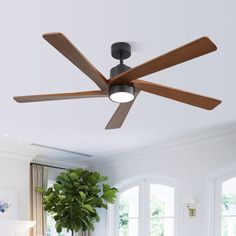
[(29, 65)]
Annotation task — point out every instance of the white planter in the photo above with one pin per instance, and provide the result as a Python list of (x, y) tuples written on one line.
[(15, 228)]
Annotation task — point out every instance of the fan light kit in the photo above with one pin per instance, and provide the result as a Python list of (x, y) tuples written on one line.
[(121, 93), (124, 84)]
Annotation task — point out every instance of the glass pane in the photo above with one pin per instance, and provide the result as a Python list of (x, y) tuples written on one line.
[(131, 229), (161, 226), (162, 201), (51, 229), (228, 226), (229, 197), (228, 206), (128, 212)]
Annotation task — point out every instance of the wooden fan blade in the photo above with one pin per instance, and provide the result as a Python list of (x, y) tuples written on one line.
[(119, 116), (66, 48), (187, 52), (121, 113), (60, 96), (177, 95)]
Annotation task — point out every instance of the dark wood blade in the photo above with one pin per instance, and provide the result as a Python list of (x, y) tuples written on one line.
[(66, 48), (120, 114), (60, 96), (187, 52), (177, 95)]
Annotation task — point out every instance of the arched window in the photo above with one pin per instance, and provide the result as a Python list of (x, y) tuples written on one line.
[(228, 208), (221, 202), (145, 208)]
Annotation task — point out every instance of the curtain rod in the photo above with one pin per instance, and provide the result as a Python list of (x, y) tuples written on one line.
[(55, 167)]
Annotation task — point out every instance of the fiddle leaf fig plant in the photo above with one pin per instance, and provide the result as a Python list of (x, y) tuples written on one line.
[(75, 198)]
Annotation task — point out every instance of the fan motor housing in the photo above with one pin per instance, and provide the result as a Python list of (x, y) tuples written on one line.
[(120, 51), (118, 70)]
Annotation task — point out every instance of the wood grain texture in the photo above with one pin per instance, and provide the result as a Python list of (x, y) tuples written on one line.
[(182, 54), (60, 96), (66, 48), (119, 116), (177, 95), (121, 113)]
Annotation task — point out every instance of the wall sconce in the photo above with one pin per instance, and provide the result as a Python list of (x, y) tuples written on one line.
[(191, 206), (191, 211)]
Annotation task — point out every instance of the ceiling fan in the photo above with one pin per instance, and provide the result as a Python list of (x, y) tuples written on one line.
[(124, 84)]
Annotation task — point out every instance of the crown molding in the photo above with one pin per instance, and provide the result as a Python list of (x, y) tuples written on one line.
[(8, 153), (212, 135), (33, 155)]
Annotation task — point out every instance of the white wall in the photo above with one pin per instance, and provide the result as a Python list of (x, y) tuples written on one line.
[(191, 165), (14, 174)]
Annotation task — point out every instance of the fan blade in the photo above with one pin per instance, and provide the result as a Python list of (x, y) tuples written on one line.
[(120, 114), (60, 96), (177, 95), (187, 52), (66, 48)]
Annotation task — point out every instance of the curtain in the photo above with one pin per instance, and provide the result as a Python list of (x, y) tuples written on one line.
[(38, 178)]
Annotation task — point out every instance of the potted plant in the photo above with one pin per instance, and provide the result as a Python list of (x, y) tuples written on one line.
[(75, 197)]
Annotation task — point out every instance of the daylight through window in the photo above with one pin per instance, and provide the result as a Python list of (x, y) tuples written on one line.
[(228, 208), (155, 202)]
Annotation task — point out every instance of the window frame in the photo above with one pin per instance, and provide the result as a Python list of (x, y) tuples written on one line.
[(213, 198), (144, 183), (218, 202), (221, 215)]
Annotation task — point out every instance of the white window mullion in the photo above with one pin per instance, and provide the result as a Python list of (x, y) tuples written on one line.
[(140, 207), (143, 209), (116, 219), (147, 213)]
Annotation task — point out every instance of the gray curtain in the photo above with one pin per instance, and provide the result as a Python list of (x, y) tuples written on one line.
[(38, 178)]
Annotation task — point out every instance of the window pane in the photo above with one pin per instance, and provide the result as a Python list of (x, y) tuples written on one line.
[(162, 201), (128, 212), (161, 226), (228, 226), (161, 210), (228, 207), (51, 229), (229, 197)]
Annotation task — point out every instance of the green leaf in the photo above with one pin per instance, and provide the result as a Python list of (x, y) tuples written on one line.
[(39, 189), (110, 195), (57, 186), (56, 217), (82, 195), (89, 208), (73, 176), (58, 227)]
